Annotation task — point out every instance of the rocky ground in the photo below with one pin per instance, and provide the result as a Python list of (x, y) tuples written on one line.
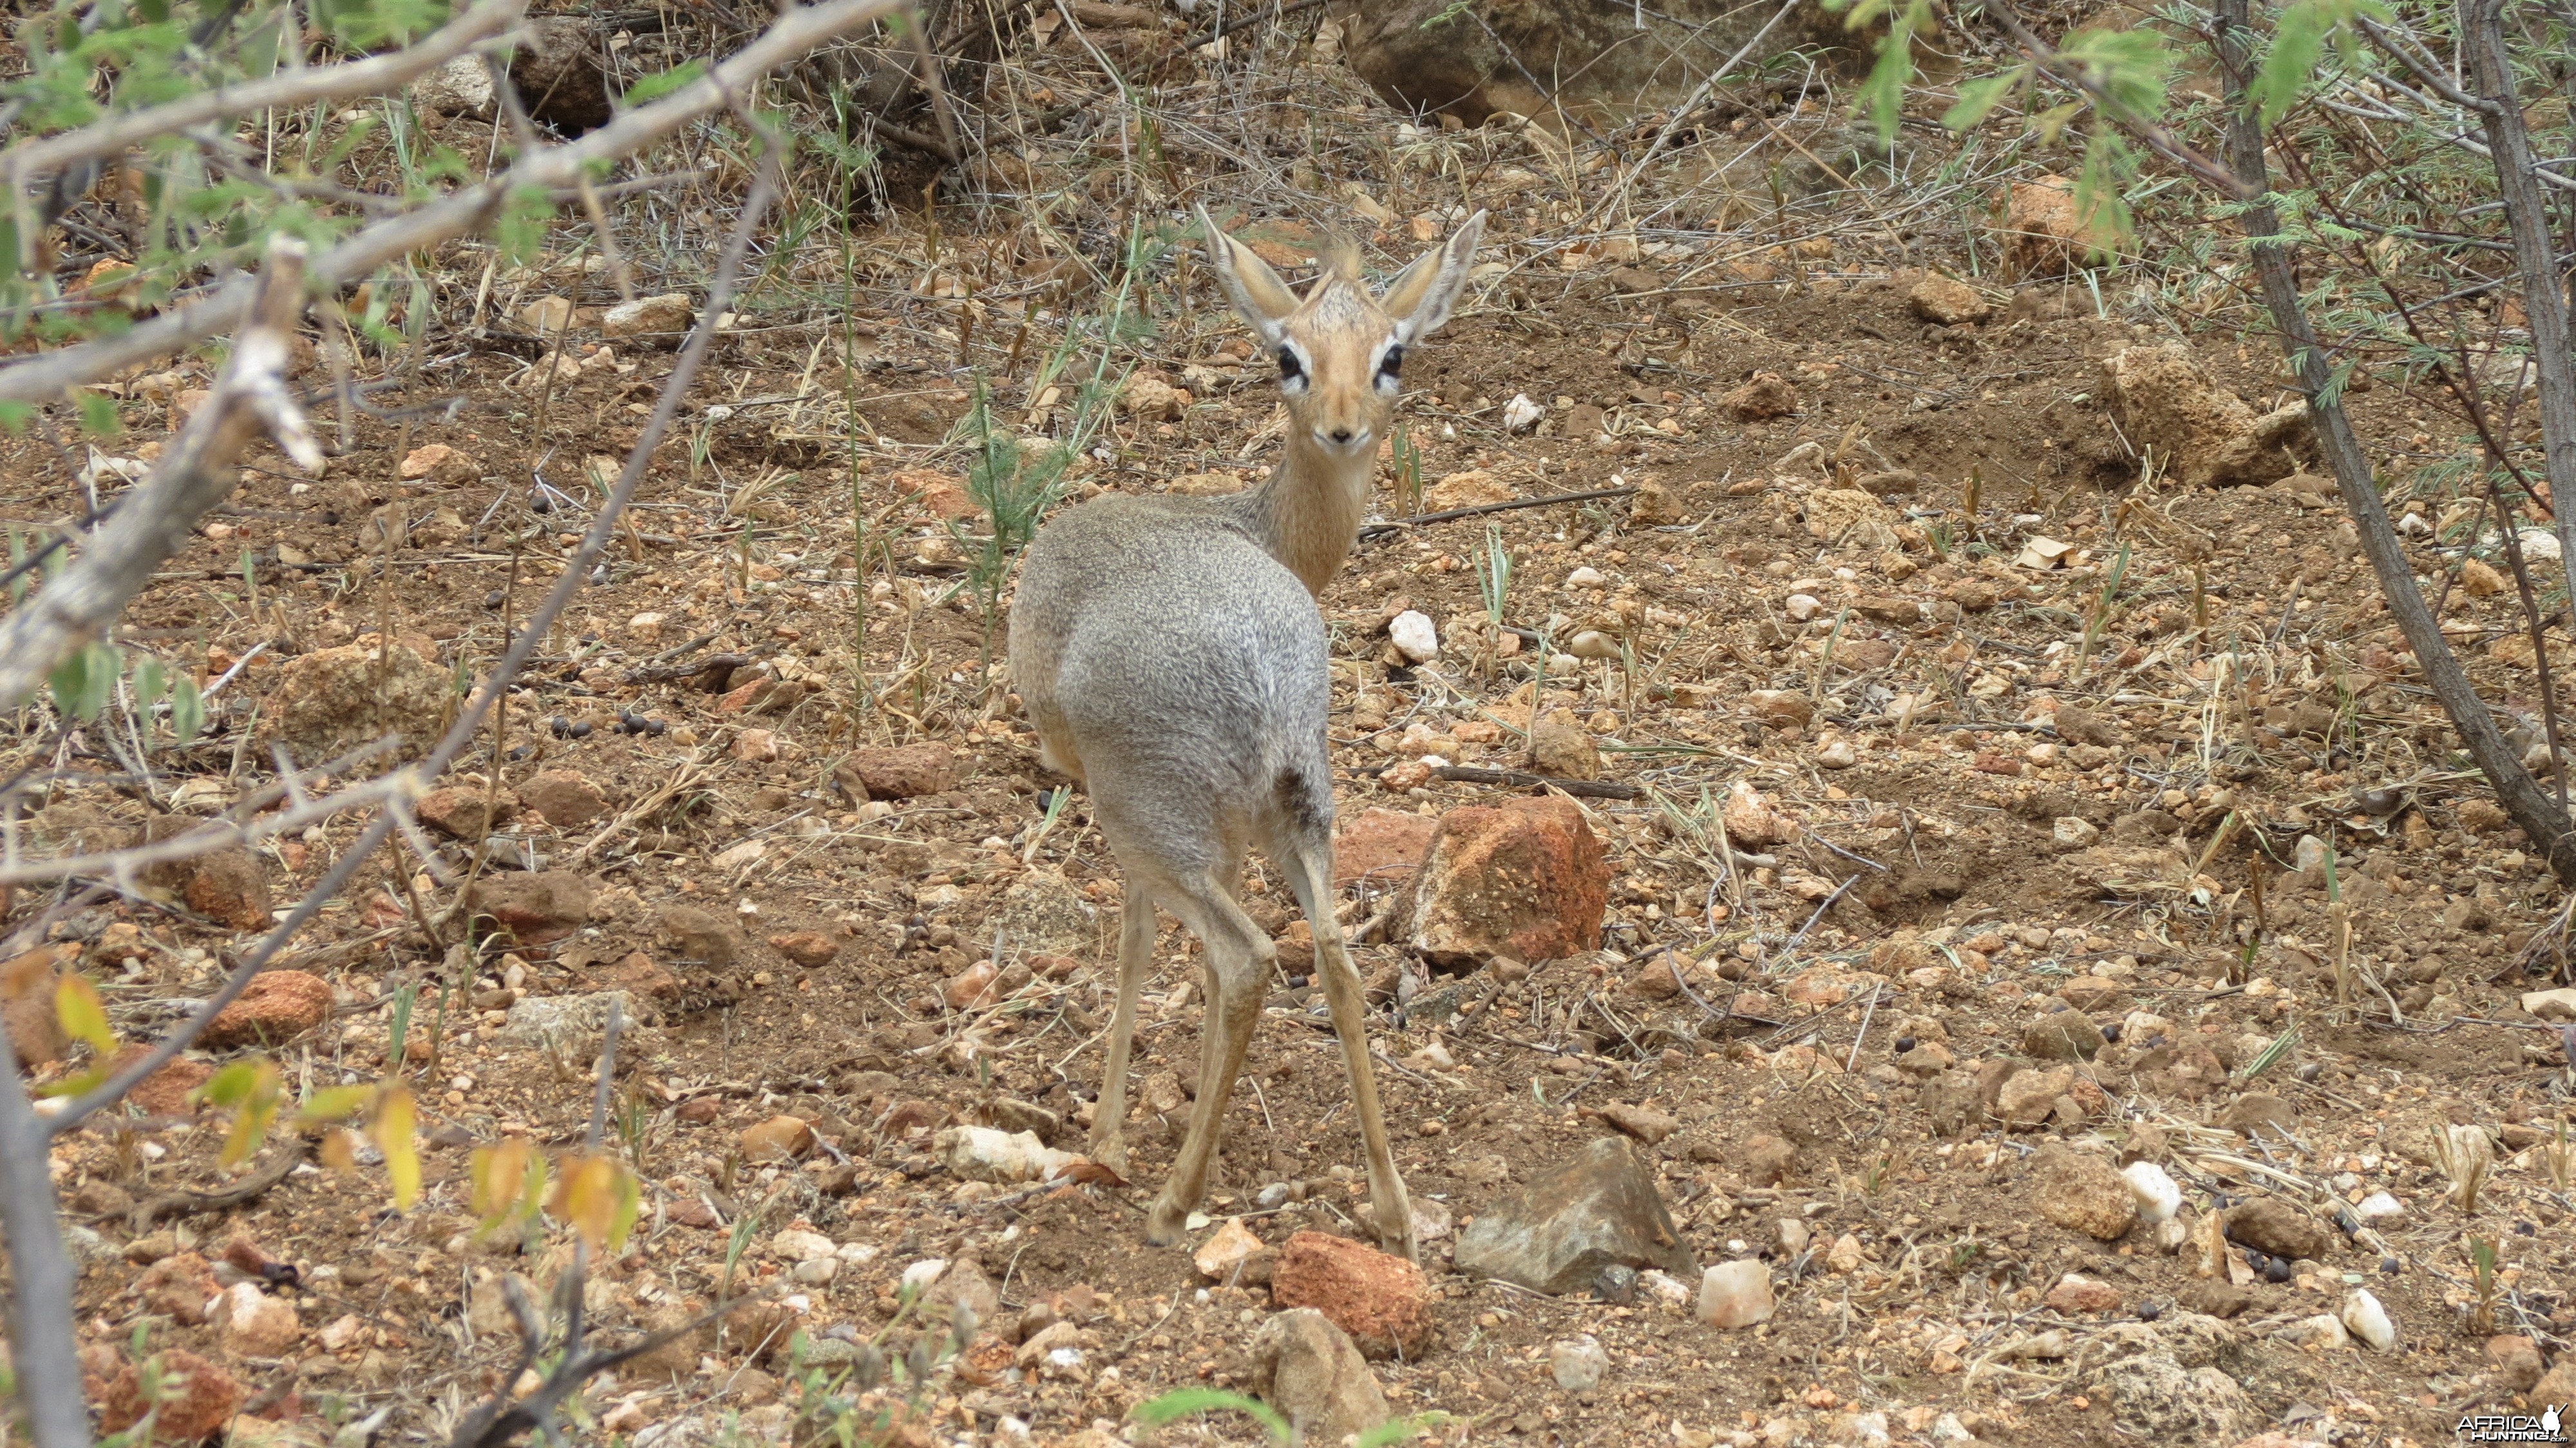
[(2010, 954)]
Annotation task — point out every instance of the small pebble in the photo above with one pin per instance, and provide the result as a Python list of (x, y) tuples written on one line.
[(495, 598), (2112, 1031), (2150, 1310), (2310, 1070), (1617, 1285), (1904, 1044)]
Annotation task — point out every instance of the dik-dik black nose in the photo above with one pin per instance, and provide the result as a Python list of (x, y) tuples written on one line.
[(1341, 434)]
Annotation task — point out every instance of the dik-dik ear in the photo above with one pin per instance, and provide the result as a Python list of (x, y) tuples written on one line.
[(1255, 291), (1420, 297)]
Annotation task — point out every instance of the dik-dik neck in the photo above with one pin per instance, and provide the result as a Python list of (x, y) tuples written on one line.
[(1308, 512)]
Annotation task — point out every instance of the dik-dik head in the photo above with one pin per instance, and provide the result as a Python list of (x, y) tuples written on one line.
[(1339, 349)]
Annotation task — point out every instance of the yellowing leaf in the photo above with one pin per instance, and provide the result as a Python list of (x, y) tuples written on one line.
[(395, 1120), (501, 1179), (83, 1018), (592, 1197), (257, 1098), (630, 1205), (337, 1103)]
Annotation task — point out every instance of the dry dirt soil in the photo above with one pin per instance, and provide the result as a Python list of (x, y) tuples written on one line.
[(2002, 783)]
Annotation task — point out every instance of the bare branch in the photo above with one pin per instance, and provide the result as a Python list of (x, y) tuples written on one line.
[(576, 571), (286, 89), (45, 376), (43, 1348), (2425, 70), (194, 476), (229, 831)]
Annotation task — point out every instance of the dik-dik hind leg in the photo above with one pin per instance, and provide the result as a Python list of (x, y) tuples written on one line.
[(1310, 872), (1135, 953), (1239, 958)]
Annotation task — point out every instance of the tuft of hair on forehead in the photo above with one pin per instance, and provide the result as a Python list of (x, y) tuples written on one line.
[(1338, 257)]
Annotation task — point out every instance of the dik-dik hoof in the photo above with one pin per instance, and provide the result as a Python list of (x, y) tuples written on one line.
[(1111, 1152), (1167, 1225)]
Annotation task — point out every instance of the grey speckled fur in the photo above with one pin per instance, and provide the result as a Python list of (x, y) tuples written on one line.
[(1191, 678)]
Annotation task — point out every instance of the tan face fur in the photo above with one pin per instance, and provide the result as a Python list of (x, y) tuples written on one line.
[(1339, 349)]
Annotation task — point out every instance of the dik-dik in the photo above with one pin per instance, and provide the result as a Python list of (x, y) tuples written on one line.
[(1172, 658)]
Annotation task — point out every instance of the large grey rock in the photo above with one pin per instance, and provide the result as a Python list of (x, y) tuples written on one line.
[(2159, 1400), (570, 1021), (1556, 1234), (1312, 1373), (2175, 1380), (1041, 912)]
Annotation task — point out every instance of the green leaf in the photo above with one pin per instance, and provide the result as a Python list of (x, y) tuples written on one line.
[(1186, 1402), (2298, 43), (661, 83), (151, 681), (230, 1086), (1978, 98), (82, 683), (187, 710), (16, 416), (98, 415), (521, 230)]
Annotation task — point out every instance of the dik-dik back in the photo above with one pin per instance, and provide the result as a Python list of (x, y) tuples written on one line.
[(1170, 654)]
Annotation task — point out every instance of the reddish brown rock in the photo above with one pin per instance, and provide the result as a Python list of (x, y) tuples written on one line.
[(2515, 1361), (1527, 879), (762, 696), (1382, 1301), (465, 811), (226, 886), (565, 798), (27, 1005), (2078, 1294), (700, 936), (906, 771), (780, 1138), (276, 1007), (2043, 232), (808, 948), (165, 1092), (637, 975), (197, 1399), (436, 462), (179, 1287), (1382, 846), (972, 988), (534, 909), (1764, 397)]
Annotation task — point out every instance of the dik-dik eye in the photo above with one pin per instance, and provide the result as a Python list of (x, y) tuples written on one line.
[(1388, 366), (1292, 373)]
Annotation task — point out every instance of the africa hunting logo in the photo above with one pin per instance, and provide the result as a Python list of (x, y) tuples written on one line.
[(2546, 1427)]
